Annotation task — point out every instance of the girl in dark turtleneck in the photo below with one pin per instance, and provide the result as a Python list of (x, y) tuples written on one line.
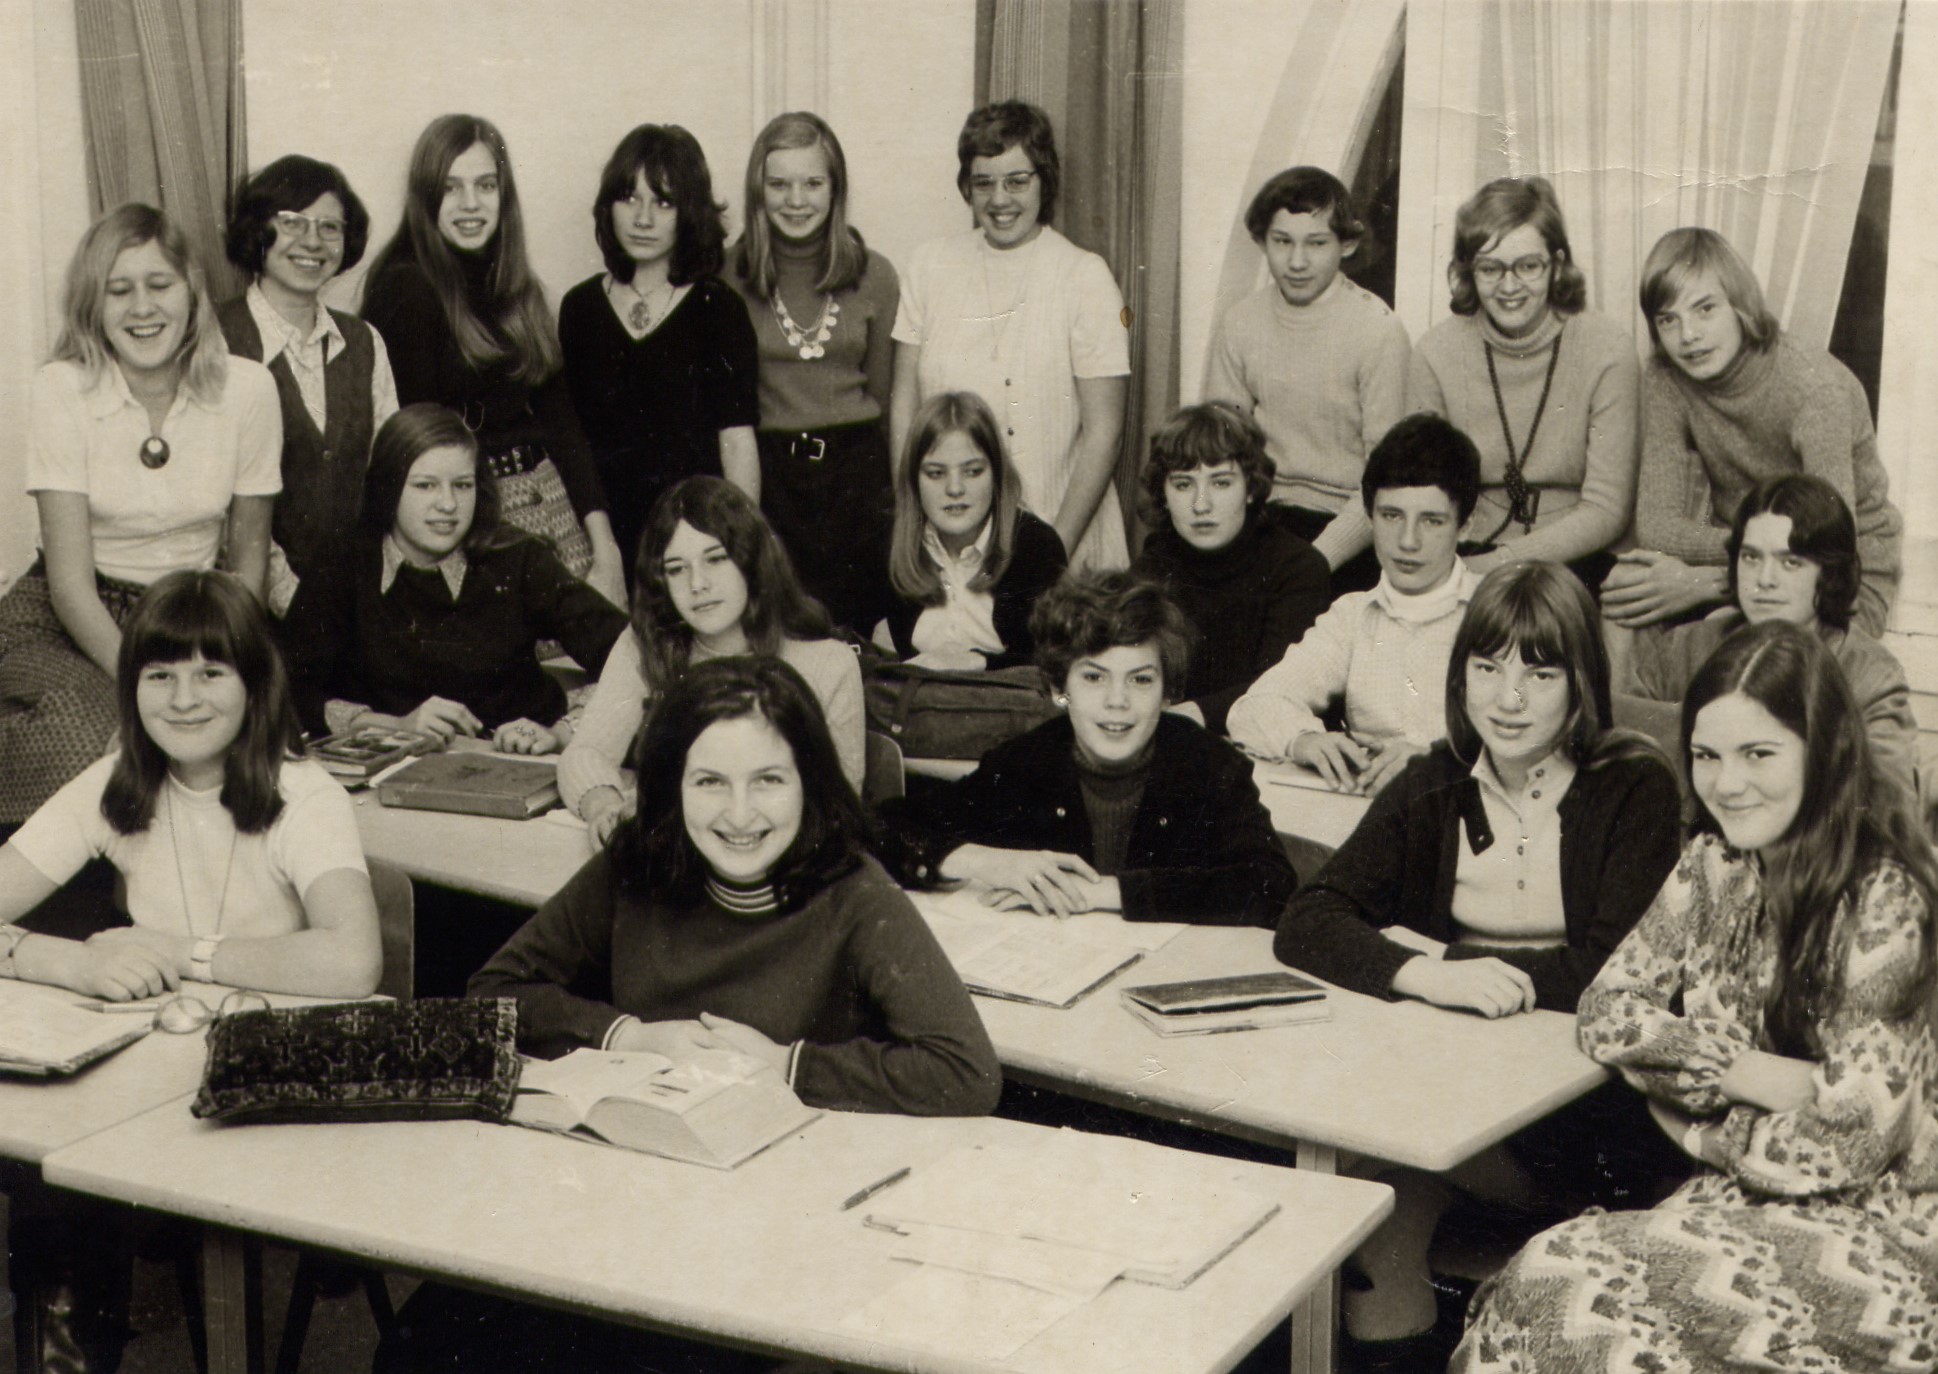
[(1249, 585), (822, 305), (467, 327), (1119, 804)]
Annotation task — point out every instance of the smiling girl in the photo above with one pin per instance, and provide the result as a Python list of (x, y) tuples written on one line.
[(431, 619), (1774, 1007), (712, 581), (149, 449), (1117, 805), (240, 858), (967, 561), (456, 299), (1728, 400)]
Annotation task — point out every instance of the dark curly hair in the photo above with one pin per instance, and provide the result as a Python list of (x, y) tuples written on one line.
[(1424, 450), (1203, 436), (1822, 529), (1088, 613), (995, 129), (1305, 191), (291, 183)]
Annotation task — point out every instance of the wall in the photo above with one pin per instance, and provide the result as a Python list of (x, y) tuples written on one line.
[(354, 82)]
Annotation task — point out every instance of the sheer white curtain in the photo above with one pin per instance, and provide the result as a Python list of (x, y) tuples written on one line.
[(1756, 120)]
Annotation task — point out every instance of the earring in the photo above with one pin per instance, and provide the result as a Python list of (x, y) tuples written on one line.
[(1062, 701)]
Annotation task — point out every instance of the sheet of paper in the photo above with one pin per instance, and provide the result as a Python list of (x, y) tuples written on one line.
[(1064, 1269), (966, 1315), (965, 905)]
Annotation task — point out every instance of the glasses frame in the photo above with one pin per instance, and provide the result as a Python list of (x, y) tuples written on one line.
[(1528, 270), (299, 225), (194, 1013), (1016, 183)]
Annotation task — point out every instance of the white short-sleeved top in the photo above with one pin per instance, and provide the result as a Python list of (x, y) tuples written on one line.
[(192, 849), (1018, 327), (147, 522)]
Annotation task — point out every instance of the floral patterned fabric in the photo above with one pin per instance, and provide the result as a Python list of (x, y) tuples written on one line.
[(1811, 1243)]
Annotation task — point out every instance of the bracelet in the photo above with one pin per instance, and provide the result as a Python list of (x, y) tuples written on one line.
[(617, 1028), (201, 959), (10, 937)]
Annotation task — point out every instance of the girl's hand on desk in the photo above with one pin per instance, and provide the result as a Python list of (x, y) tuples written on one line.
[(1049, 883), (443, 718), (1393, 755), (1337, 758), (523, 736), (1491, 987), (1770, 1081), (732, 1035), (674, 1039), (1106, 894), (120, 969)]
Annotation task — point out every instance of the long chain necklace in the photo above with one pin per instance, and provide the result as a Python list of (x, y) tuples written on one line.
[(807, 342), (1521, 508), (999, 320), (181, 882)]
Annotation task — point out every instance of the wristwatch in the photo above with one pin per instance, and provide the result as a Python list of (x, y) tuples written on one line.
[(201, 960)]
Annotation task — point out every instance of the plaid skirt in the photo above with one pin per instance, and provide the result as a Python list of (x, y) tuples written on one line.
[(57, 708)]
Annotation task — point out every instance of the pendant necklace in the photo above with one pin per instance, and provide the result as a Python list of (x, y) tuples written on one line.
[(807, 342), (181, 882), (641, 316)]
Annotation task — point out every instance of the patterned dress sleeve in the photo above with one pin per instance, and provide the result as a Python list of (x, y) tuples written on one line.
[(1627, 1020), (1869, 1102)]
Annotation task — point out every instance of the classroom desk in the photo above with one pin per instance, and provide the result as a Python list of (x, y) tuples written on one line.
[(1401, 1082), (759, 1257), (1303, 805), (522, 862)]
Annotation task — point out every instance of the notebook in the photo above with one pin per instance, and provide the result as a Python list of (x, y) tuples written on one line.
[(1249, 1001), (42, 1033), (475, 783)]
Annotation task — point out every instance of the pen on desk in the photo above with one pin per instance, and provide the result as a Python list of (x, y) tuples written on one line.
[(875, 1187)]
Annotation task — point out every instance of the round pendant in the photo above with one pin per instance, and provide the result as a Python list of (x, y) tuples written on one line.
[(154, 452)]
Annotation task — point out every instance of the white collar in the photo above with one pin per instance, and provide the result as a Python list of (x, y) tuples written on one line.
[(1417, 608), (1550, 775), (452, 566), (971, 556), (279, 335)]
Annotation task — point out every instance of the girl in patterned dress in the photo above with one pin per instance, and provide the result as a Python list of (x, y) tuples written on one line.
[(1775, 1006)]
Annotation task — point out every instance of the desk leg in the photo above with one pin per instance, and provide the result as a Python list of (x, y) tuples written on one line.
[(1312, 1323), (232, 1300)]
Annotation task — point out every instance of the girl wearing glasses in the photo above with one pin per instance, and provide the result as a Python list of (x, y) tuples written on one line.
[(295, 225), (1545, 389), (1017, 314), (1730, 399), (658, 350), (455, 297), (149, 450), (240, 857), (822, 303)]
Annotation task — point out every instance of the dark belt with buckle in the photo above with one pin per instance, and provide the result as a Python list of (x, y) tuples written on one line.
[(813, 447)]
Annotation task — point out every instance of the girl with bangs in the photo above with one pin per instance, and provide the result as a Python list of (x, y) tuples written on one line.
[(1773, 1008), (240, 857), (659, 352), (455, 298), (713, 582), (149, 450), (967, 561), (1495, 875)]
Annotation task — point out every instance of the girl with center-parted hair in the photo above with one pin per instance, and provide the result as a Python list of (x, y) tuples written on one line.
[(712, 581), (1495, 875), (149, 450), (431, 618), (1791, 555), (1248, 582), (967, 560), (1774, 1007), (659, 353), (239, 857), (455, 298), (822, 304), (1014, 312), (1545, 388), (1118, 804), (294, 226), (1728, 399)]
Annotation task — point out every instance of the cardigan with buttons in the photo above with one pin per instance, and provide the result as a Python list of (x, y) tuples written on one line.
[(1201, 850), (1620, 835)]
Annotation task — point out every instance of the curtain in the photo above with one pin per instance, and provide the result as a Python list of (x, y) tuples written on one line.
[(1109, 73), (161, 91), (1756, 120)]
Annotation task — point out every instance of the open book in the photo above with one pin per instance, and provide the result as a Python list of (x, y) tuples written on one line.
[(716, 1108), (474, 782), (1027, 958), (1246, 1001), (44, 1032)]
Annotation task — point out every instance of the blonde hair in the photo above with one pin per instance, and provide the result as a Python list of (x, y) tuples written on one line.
[(844, 258)]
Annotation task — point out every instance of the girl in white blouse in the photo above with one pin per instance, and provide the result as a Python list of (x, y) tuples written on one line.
[(712, 580)]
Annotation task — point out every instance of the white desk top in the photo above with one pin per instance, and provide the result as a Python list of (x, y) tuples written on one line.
[(1401, 1081), (1303, 805), (523, 862), (759, 1256)]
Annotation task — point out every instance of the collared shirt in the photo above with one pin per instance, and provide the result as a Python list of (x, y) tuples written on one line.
[(309, 354), (1508, 891), (1385, 652), (965, 622), (451, 567), (143, 521)]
